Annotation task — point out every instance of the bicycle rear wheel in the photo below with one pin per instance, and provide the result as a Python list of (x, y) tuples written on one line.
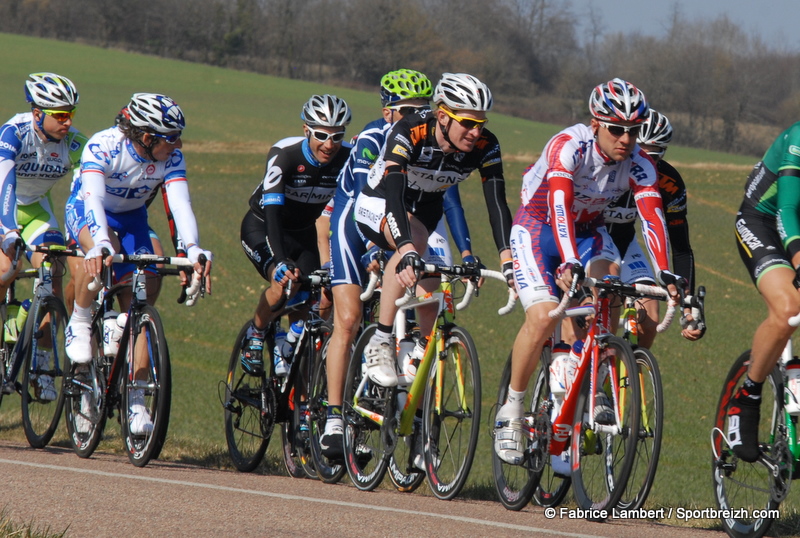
[(44, 367), (451, 415), (247, 429), (602, 458), (749, 489), (367, 444), (329, 471), (86, 406), (154, 392), (648, 447)]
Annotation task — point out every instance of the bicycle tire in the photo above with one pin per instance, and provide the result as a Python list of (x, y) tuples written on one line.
[(92, 384), (648, 447), (157, 388), (402, 471), (599, 482), (247, 429), (451, 431), (328, 471), (297, 459), (746, 487), (366, 445), (40, 417), (552, 488)]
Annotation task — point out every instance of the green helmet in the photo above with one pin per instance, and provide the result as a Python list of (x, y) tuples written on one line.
[(404, 84)]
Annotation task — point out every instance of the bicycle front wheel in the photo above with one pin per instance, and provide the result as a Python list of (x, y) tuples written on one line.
[(328, 471), (750, 490), (648, 447), (297, 457), (151, 393), (451, 415), (602, 455), (367, 444), (247, 429), (44, 367)]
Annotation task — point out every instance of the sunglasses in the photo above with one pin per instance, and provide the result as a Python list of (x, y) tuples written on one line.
[(467, 123), (619, 130), (169, 139), (408, 109), (61, 116), (324, 136)]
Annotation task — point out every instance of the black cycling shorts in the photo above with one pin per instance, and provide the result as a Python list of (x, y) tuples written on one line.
[(299, 245)]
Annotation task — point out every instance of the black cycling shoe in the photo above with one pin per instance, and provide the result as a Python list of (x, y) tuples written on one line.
[(744, 413), (252, 356), (332, 445)]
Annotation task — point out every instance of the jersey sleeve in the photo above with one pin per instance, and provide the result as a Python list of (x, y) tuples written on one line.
[(10, 145), (272, 190), (397, 153), (456, 221), (95, 161), (643, 181), (560, 152), (494, 192)]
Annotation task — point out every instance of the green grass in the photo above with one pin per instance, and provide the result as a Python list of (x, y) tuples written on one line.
[(233, 118)]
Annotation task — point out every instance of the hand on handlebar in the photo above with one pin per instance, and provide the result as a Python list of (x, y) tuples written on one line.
[(285, 271), (568, 273), (409, 268)]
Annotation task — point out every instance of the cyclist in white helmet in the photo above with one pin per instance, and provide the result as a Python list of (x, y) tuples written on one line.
[(559, 229), (121, 167), (278, 232), (424, 154), (37, 148)]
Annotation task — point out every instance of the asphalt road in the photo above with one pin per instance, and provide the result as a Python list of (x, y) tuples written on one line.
[(107, 496)]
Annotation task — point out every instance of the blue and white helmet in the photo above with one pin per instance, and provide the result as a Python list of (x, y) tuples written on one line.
[(616, 101), (156, 112), (460, 91), (48, 90)]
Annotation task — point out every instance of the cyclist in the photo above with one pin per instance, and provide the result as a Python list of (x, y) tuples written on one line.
[(768, 239), (120, 168), (424, 154), (620, 217), (559, 228), (37, 148), (278, 232), (403, 92)]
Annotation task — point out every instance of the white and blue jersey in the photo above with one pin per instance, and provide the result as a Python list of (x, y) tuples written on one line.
[(30, 166)]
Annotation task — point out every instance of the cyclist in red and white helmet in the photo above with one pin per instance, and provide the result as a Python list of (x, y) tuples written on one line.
[(424, 155), (37, 149), (559, 230)]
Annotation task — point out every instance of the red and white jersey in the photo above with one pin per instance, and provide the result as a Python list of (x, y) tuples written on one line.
[(573, 182)]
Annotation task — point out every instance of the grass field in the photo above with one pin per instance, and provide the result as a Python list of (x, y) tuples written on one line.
[(234, 117)]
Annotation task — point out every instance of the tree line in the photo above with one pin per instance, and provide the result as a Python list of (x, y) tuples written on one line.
[(721, 88)]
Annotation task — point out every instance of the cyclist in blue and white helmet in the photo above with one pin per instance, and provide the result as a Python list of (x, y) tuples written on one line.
[(37, 148), (122, 167)]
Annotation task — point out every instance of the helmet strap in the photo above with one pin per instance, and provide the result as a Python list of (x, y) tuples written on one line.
[(148, 148), (40, 127)]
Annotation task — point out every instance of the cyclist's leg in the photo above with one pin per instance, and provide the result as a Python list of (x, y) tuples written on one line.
[(636, 269)]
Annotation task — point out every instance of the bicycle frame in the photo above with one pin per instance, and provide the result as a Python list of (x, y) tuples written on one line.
[(791, 408)]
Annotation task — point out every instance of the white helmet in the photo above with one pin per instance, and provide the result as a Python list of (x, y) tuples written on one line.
[(156, 112), (618, 100), (460, 91), (326, 111), (48, 90), (656, 131)]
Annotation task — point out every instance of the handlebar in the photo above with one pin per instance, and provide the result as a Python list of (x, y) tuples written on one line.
[(473, 273), (318, 279)]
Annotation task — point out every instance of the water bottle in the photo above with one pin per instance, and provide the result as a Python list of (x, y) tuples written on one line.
[(573, 362), (559, 360), (113, 325), (404, 348), (408, 369), (793, 383), (295, 330), (17, 314), (281, 368)]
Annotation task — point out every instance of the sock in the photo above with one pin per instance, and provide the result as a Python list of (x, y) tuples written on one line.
[(81, 313), (383, 335)]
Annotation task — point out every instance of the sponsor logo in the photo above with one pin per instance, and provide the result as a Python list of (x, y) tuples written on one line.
[(401, 151), (794, 150), (747, 237), (301, 168), (756, 180), (150, 170), (6, 146), (393, 227), (561, 222)]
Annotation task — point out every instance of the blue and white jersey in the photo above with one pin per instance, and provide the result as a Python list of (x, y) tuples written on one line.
[(368, 144), (30, 166), (114, 178)]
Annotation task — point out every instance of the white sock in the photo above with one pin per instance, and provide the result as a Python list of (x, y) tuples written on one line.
[(81, 313)]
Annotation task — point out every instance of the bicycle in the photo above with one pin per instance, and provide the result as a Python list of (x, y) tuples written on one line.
[(750, 493), (601, 454), (255, 403), (108, 382), (39, 348), (447, 384)]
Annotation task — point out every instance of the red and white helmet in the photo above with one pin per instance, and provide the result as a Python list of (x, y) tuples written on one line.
[(617, 101), (48, 90), (460, 91)]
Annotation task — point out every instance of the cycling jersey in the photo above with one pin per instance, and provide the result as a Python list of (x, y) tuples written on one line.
[(773, 187), (295, 189), (429, 172), (29, 166), (620, 218), (572, 183), (114, 179)]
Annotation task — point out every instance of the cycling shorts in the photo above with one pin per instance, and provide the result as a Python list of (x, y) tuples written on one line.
[(759, 243), (38, 224), (370, 213), (300, 246)]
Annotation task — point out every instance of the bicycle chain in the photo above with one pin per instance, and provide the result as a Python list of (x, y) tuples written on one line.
[(782, 473), (539, 447)]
